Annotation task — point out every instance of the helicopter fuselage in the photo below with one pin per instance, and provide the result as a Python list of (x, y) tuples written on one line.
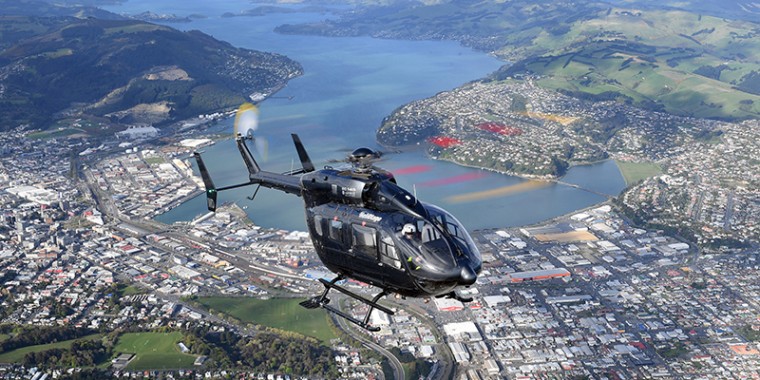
[(355, 220)]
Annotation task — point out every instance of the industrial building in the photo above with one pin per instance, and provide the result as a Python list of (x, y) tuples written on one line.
[(538, 275)]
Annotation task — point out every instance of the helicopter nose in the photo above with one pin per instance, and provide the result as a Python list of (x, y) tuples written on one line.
[(467, 276)]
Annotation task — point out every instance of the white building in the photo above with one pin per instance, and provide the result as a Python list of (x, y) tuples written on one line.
[(137, 132)]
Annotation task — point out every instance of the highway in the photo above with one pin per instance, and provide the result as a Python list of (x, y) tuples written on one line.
[(398, 369)]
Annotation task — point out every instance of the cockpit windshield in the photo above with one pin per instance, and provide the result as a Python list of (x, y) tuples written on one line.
[(439, 243), (450, 224)]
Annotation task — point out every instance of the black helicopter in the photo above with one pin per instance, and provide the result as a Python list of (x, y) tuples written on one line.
[(365, 227)]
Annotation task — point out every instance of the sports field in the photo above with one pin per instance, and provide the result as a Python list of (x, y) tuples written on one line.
[(636, 171), (154, 350), (281, 313)]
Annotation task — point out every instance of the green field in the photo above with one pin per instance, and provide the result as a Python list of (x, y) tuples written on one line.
[(281, 313), (636, 171), (53, 133), (154, 350), (15, 356), (138, 28)]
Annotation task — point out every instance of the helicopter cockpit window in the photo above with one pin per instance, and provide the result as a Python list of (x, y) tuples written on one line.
[(429, 233), (456, 230)]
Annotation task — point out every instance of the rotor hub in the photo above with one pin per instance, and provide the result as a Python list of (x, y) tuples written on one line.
[(362, 154)]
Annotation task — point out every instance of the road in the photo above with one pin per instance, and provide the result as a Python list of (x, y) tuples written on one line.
[(398, 369)]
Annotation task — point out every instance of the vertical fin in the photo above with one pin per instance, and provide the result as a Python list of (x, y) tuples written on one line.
[(250, 162), (207, 182), (302, 155)]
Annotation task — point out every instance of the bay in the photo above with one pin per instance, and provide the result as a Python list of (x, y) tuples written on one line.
[(349, 85)]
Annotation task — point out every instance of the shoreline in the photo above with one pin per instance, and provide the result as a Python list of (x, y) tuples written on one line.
[(547, 178)]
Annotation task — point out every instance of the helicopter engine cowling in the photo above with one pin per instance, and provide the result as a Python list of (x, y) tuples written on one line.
[(348, 189), (336, 187)]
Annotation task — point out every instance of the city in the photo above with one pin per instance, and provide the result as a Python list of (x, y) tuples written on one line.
[(645, 269), (585, 295), (708, 192)]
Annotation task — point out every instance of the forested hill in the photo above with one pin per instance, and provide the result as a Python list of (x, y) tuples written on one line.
[(125, 70)]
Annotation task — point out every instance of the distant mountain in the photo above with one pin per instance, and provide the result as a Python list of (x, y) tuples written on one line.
[(734, 9), (40, 8), (662, 58), (126, 70)]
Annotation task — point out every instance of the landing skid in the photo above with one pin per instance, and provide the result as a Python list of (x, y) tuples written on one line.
[(322, 301)]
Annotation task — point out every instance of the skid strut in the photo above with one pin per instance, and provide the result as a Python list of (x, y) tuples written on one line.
[(322, 301)]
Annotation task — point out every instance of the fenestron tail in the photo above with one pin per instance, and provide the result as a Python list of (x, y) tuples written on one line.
[(207, 182)]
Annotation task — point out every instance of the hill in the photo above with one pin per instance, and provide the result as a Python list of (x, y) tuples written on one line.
[(42, 8), (658, 58), (128, 71)]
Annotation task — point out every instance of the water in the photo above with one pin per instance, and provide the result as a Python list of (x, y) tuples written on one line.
[(349, 86)]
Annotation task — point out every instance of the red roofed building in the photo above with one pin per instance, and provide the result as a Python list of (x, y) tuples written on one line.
[(444, 142)]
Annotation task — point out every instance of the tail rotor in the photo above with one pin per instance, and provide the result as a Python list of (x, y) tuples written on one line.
[(246, 123)]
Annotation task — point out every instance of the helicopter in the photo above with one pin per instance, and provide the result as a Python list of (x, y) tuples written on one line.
[(364, 226)]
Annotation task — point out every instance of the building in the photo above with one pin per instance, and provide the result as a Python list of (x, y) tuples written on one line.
[(448, 304), (137, 132), (459, 350), (463, 331), (538, 275)]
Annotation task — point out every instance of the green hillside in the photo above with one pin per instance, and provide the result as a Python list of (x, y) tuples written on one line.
[(128, 71), (683, 62), (676, 61)]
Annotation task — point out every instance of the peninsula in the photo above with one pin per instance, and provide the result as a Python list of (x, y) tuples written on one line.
[(124, 72)]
